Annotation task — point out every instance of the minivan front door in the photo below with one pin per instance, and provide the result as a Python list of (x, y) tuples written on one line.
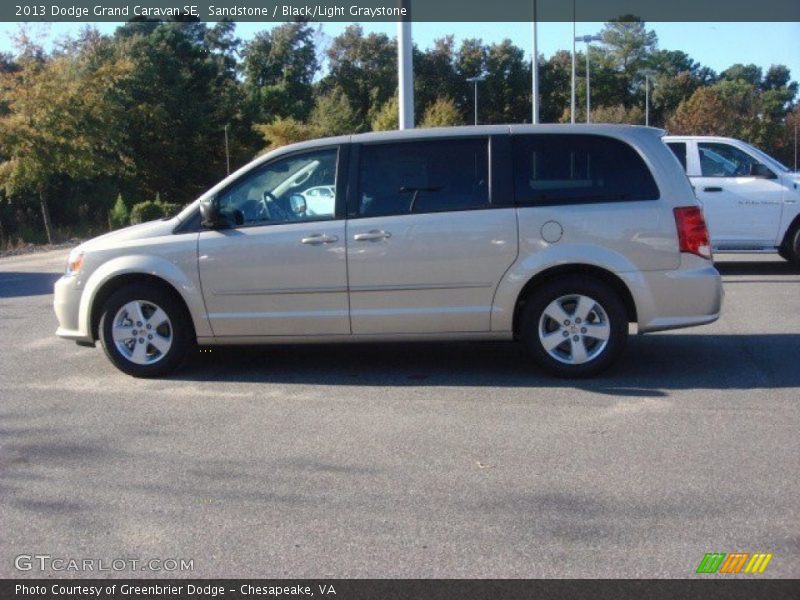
[(742, 200), (280, 269), (425, 250)]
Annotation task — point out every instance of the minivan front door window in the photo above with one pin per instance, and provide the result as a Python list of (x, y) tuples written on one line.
[(300, 187)]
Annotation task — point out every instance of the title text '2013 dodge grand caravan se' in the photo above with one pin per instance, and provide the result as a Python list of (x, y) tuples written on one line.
[(557, 236)]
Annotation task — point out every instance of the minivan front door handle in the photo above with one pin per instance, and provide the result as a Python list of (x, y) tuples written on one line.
[(712, 189), (319, 238), (371, 236)]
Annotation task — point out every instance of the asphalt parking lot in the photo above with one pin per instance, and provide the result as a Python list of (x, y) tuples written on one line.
[(451, 460)]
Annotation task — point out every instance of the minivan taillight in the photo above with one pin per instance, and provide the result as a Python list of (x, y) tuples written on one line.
[(692, 231)]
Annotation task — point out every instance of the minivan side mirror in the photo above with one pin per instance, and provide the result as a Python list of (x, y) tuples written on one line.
[(211, 217), (762, 171), (297, 202)]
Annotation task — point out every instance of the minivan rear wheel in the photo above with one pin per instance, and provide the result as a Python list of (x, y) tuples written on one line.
[(574, 327), (145, 331)]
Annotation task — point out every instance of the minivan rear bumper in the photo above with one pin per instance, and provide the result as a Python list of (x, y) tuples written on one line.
[(688, 296)]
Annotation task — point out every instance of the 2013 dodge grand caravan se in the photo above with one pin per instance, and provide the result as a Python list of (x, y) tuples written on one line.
[(555, 235)]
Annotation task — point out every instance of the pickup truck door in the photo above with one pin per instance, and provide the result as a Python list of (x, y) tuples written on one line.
[(742, 198)]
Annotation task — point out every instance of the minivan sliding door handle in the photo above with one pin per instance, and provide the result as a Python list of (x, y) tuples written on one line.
[(371, 236), (319, 238), (712, 189)]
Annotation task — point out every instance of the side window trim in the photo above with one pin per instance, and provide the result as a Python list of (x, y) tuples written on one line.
[(255, 170), (501, 174)]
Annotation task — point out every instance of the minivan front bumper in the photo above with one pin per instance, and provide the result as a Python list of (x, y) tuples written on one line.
[(66, 303), (688, 296)]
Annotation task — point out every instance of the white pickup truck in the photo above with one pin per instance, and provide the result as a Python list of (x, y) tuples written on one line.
[(750, 200)]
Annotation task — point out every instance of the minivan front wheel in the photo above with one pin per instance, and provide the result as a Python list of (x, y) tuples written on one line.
[(574, 327), (145, 331)]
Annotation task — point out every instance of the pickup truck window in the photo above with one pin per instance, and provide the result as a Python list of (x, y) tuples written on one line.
[(724, 160)]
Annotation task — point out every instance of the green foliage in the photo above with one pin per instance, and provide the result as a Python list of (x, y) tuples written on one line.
[(279, 67), (283, 131), (618, 114), (152, 210), (334, 115), (144, 112), (363, 68), (387, 118), (119, 215), (442, 113), (629, 43)]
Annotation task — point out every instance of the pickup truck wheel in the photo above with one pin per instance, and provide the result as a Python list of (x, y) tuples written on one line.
[(790, 250), (145, 331), (574, 327)]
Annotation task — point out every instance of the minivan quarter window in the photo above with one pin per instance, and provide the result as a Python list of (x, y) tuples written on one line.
[(422, 177), (573, 169), (297, 188)]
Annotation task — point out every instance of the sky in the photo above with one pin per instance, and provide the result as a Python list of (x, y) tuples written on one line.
[(715, 45)]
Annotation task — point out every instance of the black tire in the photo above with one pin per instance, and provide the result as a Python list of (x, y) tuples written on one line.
[(179, 325), (790, 249), (608, 312)]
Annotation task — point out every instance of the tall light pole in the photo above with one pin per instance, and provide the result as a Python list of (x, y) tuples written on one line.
[(795, 147), (405, 70), (535, 73), (227, 151), (572, 98), (474, 81), (647, 74), (587, 39)]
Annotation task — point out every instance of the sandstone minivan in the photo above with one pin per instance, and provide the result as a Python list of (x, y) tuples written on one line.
[(558, 236)]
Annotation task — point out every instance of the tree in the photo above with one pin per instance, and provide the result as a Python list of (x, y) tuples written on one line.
[(618, 114), (283, 131), (442, 113), (748, 73), (62, 121), (629, 43), (704, 113), (178, 99), (364, 69), (388, 117), (435, 75), (334, 115), (119, 216), (554, 86), (279, 68), (506, 91)]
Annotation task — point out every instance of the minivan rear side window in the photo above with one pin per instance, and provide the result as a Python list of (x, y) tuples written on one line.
[(422, 177), (570, 169)]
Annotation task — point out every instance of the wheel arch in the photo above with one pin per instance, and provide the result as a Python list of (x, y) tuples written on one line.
[(584, 270), (790, 230), (117, 282)]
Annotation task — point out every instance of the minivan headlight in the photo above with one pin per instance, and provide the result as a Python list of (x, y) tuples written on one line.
[(74, 263)]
